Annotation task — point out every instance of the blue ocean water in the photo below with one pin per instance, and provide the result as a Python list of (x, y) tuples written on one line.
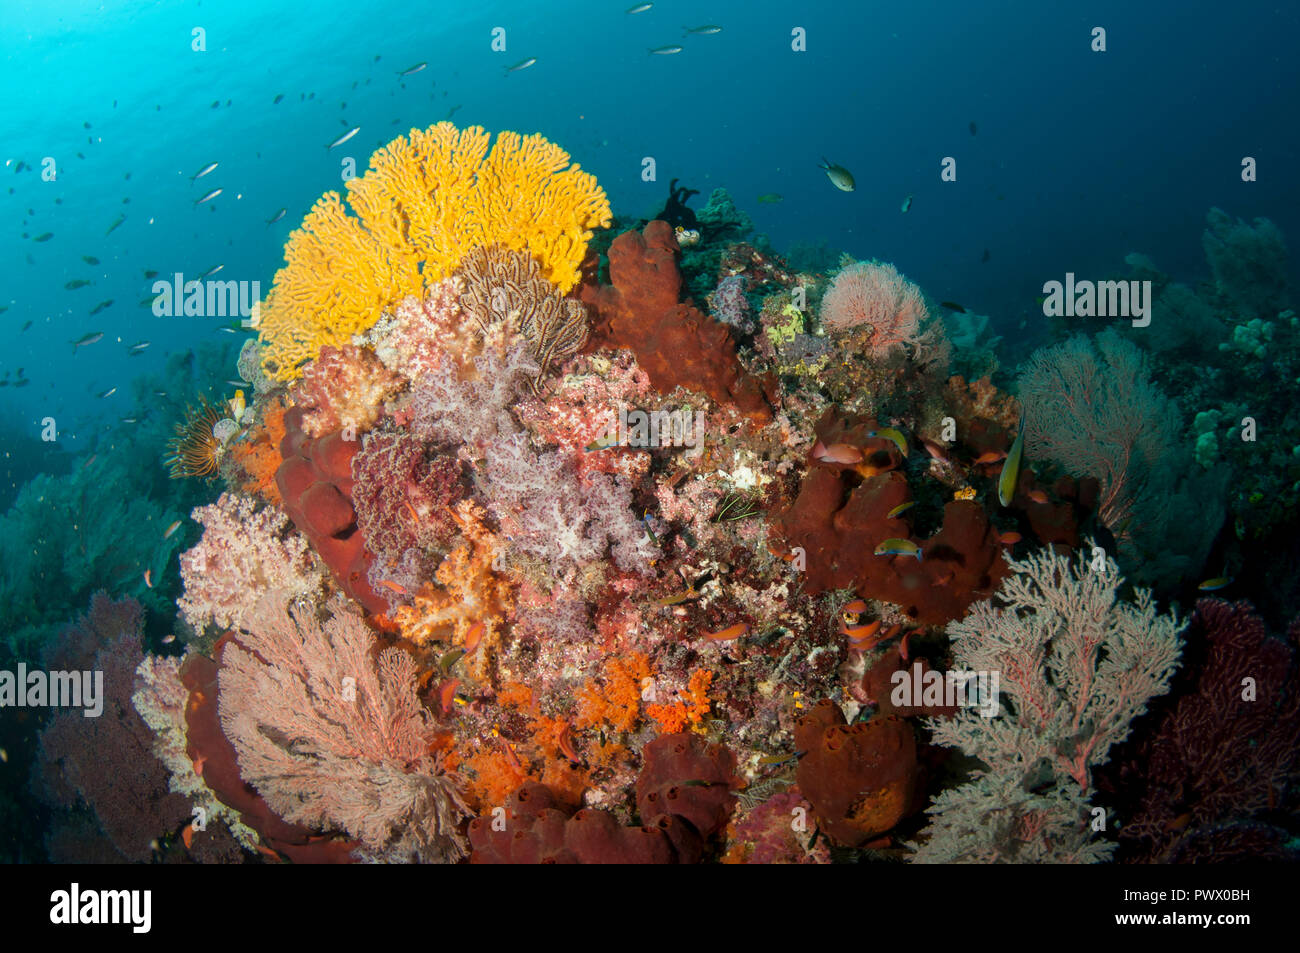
[(1077, 157)]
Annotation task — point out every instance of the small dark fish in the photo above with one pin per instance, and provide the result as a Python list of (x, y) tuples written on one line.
[(452, 111), (3, 308), (4, 383), (972, 127), (150, 273), (215, 104), (76, 283), (278, 97), (26, 326), (276, 217), (90, 259), (148, 302), (665, 50), (90, 338), (101, 306), (203, 171), (952, 306), (413, 69), (113, 227), (20, 166), (522, 64), (23, 383), (209, 197), (986, 256), (43, 238)]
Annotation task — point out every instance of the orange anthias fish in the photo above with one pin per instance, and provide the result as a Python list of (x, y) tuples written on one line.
[(836, 453), (861, 634), (1038, 496), (992, 456), (187, 835), (1009, 538), (473, 637), (729, 633)]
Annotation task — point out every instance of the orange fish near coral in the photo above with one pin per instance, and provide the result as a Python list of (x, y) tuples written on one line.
[(187, 835), (859, 635), (447, 693), (148, 578), (565, 743), (1038, 496), (729, 633), (1009, 539), (993, 456), (836, 453), (473, 637)]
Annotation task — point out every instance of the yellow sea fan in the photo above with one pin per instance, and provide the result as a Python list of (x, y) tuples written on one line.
[(424, 204)]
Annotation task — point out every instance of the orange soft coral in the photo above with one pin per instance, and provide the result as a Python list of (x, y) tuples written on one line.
[(615, 698), (467, 592), (688, 712), (259, 453)]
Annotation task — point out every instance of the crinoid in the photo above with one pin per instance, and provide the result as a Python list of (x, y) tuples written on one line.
[(195, 450)]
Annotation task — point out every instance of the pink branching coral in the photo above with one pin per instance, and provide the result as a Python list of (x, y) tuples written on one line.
[(344, 388), (584, 406), (414, 337), (402, 492), (875, 297), (474, 411), (335, 738), (243, 554), (729, 305)]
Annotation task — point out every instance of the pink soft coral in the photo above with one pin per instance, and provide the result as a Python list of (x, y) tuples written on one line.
[(344, 388), (244, 553)]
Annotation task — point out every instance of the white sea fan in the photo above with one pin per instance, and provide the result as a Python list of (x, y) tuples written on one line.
[(1075, 666)]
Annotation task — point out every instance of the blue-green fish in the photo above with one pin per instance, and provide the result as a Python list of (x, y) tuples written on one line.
[(1011, 468), (899, 547), (907, 203), (840, 177)]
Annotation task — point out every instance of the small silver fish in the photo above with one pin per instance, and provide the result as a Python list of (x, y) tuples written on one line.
[(639, 8), (90, 338), (209, 197), (276, 217), (414, 69), (211, 271), (522, 64), (203, 171), (708, 29), (840, 177), (138, 347), (109, 393), (344, 138), (665, 50)]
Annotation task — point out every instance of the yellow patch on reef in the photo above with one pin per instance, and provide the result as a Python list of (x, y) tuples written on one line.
[(423, 205)]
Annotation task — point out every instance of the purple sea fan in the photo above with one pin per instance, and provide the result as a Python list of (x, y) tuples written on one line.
[(244, 553), (106, 762), (335, 738)]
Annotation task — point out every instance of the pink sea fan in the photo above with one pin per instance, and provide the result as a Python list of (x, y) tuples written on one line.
[(335, 738), (244, 553), (874, 296), (344, 388)]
